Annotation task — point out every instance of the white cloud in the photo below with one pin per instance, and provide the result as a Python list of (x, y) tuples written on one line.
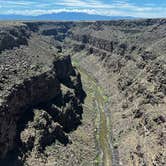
[(114, 8), (116, 5), (88, 11), (53, 11), (84, 4), (18, 3)]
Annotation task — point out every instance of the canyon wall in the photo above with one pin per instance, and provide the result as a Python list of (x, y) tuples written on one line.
[(41, 92), (128, 60)]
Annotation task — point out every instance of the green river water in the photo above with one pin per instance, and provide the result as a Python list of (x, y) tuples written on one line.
[(96, 100)]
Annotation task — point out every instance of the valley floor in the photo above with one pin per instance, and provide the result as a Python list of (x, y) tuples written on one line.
[(97, 104), (92, 141)]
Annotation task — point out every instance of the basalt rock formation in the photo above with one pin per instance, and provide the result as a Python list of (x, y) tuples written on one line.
[(41, 93), (128, 60), (126, 57), (13, 36)]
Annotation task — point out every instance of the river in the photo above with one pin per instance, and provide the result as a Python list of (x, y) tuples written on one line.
[(96, 99)]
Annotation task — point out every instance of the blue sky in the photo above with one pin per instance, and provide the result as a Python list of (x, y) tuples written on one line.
[(136, 8)]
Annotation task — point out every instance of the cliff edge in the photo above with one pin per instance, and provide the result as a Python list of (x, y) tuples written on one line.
[(41, 93)]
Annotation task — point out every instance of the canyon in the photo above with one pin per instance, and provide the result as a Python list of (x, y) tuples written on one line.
[(83, 93)]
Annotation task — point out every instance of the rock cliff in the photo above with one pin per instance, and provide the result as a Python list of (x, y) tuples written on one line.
[(128, 60), (41, 92)]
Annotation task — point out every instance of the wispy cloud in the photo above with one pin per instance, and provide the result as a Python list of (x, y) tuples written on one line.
[(84, 4), (109, 8), (16, 3)]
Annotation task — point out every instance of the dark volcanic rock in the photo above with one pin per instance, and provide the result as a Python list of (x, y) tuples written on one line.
[(127, 57), (31, 77), (13, 36), (41, 132)]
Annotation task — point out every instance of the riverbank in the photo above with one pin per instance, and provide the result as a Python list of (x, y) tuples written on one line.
[(98, 101)]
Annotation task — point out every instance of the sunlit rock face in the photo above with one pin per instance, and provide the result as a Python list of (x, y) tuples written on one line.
[(128, 60)]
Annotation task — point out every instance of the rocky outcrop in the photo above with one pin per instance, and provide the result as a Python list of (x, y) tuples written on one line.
[(128, 59), (13, 36), (21, 97), (41, 96), (40, 132)]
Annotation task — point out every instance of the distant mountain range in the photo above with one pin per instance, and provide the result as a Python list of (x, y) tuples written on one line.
[(67, 16)]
